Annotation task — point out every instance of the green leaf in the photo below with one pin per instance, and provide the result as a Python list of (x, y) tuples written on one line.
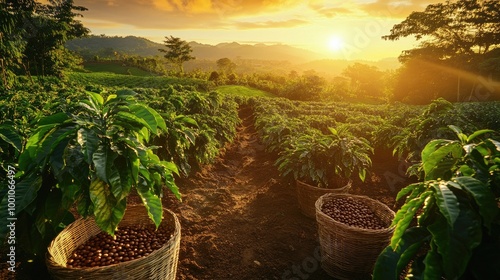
[(461, 136), (390, 263), (149, 118), (478, 133), (152, 203), (446, 201), (362, 174), (27, 158), (27, 191), (100, 159), (455, 244), (483, 196), (52, 139), (132, 119), (436, 162), (160, 122), (108, 211), (88, 140), (404, 191), (96, 98), (404, 217), (10, 136), (120, 177), (433, 264), (55, 119)]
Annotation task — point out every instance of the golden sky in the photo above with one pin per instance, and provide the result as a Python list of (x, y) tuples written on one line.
[(337, 29)]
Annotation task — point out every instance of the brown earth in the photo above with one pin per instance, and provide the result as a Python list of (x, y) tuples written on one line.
[(240, 219)]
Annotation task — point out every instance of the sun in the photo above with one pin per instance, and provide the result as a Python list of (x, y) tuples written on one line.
[(335, 43)]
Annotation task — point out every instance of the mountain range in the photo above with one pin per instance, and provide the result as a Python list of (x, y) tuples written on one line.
[(295, 58)]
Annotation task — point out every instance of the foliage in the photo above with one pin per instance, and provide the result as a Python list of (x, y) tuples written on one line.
[(241, 91), (91, 157), (433, 121), (314, 141), (116, 67), (449, 225), (322, 158), (33, 37), (127, 81), (11, 144), (452, 28), (366, 80), (177, 52), (12, 44), (199, 124), (225, 65), (457, 55)]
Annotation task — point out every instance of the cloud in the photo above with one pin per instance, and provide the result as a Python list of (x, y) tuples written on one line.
[(330, 12), (270, 24), (146, 14), (185, 14), (396, 8)]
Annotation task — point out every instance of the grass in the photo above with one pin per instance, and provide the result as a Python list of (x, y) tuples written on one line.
[(116, 68), (243, 91), (107, 79)]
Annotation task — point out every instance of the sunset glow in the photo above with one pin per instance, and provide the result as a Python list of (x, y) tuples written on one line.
[(358, 24), (336, 43)]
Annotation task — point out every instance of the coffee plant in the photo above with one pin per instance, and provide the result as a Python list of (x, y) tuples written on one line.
[(322, 158), (449, 225), (90, 158)]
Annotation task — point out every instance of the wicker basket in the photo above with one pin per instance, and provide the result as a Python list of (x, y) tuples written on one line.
[(350, 252), (308, 194), (160, 264)]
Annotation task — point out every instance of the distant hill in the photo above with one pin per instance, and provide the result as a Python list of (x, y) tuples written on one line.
[(105, 46), (248, 58)]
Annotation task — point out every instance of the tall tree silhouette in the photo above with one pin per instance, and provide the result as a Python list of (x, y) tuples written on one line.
[(177, 52)]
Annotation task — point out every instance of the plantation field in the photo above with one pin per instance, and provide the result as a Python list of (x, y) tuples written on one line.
[(243, 91), (130, 81), (115, 68), (237, 153)]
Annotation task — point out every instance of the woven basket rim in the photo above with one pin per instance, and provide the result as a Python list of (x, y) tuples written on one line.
[(347, 185), (51, 263), (323, 198)]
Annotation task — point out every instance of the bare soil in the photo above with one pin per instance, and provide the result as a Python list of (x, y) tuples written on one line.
[(240, 219)]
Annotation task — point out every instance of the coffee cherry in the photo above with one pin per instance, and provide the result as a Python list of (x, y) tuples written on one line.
[(129, 243), (352, 212)]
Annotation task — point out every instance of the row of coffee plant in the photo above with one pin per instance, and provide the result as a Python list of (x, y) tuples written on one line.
[(104, 79), (90, 149), (315, 140)]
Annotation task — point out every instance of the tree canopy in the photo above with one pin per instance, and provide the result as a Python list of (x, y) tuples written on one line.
[(32, 36), (177, 52), (458, 57), (451, 29)]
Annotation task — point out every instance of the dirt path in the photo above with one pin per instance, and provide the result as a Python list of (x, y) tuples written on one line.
[(240, 220)]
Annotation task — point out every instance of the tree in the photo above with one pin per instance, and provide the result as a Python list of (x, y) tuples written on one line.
[(459, 43), (225, 65), (177, 52), (13, 16), (366, 80), (451, 29), (33, 36)]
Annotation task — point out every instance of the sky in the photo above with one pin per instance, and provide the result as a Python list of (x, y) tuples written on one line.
[(335, 29)]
